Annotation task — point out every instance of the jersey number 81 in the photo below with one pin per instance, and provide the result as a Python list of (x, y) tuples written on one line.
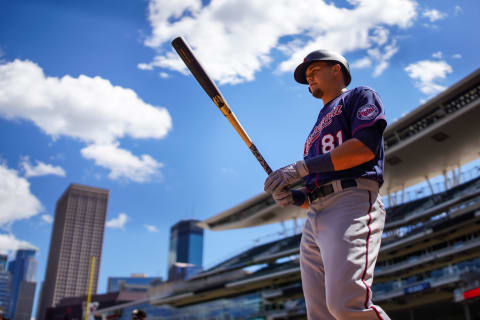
[(328, 141)]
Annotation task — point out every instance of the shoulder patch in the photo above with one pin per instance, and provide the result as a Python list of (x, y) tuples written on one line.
[(368, 112)]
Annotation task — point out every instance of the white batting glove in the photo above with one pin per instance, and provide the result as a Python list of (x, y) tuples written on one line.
[(279, 179), (283, 198)]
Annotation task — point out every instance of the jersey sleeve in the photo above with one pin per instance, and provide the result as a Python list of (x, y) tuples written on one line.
[(366, 110)]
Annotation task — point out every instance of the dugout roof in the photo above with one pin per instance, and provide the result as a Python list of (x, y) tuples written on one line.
[(438, 136)]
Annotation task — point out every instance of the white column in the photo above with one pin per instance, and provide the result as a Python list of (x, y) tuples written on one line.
[(430, 185), (445, 179)]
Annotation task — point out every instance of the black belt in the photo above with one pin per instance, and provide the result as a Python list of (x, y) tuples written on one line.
[(327, 189)]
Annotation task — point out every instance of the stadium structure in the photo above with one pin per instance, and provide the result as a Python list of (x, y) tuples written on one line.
[(429, 261)]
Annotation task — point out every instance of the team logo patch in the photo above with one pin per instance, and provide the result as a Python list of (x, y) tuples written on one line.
[(368, 112)]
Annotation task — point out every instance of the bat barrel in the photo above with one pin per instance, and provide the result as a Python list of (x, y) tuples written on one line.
[(186, 54)]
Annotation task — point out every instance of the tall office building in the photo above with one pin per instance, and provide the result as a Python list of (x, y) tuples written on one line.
[(185, 256), (23, 270), (77, 236), (5, 284)]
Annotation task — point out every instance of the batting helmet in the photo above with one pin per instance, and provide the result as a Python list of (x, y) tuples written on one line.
[(322, 55)]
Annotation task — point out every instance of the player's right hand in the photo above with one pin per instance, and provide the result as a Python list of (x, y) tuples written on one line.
[(281, 178)]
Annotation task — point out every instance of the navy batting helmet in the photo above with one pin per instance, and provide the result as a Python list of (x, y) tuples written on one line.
[(322, 55)]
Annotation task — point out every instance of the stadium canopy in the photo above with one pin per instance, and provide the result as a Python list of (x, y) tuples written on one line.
[(440, 135)]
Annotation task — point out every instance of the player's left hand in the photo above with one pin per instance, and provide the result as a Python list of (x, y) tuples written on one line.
[(279, 179), (283, 198)]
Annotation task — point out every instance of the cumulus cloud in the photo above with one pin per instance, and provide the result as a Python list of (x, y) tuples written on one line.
[(427, 73), (457, 56), (40, 169), (382, 57), (364, 62), (434, 15), (47, 218), (437, 55), (9, 243), (89, 109), (118, 222), (16, 200), (457, 10), (151, 228), (234, 39), (122, 163)]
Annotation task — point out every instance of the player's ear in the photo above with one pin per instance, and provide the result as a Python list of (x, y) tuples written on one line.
[(336, 69)]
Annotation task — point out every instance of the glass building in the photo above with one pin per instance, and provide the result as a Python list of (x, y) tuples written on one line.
[(5, 284), (185, 256), (23, 269)]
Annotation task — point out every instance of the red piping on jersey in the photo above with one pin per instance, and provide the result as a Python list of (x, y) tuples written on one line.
[(368, 124), (367, 298), (318, 174)]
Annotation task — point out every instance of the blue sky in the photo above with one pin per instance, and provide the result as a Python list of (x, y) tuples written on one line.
[(92, 93)]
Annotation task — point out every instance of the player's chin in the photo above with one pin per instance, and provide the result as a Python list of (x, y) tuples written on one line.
[(316, 92)]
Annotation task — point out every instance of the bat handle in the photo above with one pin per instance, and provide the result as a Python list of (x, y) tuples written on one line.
[(260, 159)]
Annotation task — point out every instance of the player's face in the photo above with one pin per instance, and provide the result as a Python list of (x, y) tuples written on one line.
[(319, 77)]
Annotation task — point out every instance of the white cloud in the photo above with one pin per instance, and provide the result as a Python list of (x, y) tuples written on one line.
[(122, 163), (151, 228), (234, 38), (9, 243), (16, 200), (434, 15), (364, 62), (437, 55), (164, 75), (427, 73), (457, 56), (457, 10), (118, 222), (89, 109), (47, 218), (382, 57), (40, 169)]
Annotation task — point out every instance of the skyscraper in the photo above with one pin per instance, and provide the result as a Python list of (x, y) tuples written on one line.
[(77, 236), (5, 284), (185, 256), (23, 270)]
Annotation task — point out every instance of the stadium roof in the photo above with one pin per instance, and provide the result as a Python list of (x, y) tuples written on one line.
[(436, 137)]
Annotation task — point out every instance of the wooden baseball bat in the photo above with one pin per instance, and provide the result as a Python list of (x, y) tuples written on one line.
[(185, 52)]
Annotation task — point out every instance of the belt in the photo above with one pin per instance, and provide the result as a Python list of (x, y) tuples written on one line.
[(325, 190)]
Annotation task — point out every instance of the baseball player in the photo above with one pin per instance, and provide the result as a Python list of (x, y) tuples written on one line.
[(342, 168)]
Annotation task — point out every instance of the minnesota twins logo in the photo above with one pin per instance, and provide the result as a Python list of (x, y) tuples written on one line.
[(368, 112), (326, 121)]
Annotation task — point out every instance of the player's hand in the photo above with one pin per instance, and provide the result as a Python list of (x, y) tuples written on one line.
[(283, 198), (279, 179)]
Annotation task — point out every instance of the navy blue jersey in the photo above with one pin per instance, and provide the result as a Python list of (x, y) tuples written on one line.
[(357, 112)]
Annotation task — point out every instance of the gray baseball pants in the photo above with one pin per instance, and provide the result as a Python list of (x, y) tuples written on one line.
[(338, 251)]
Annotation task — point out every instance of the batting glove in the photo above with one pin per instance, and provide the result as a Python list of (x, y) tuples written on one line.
[(283, 198), (279, 179)]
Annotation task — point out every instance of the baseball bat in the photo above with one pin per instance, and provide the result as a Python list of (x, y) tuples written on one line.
[(192, 63)]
